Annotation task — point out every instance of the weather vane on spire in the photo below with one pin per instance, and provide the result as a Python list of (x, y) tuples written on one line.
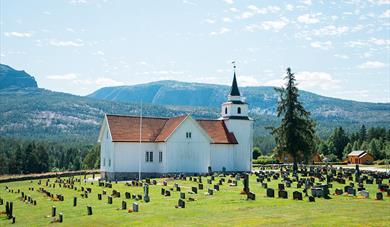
[(234, 64)]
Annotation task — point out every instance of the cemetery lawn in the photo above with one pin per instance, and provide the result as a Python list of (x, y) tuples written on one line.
[(225, 208)]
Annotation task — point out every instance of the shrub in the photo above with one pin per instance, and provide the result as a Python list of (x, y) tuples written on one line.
[(265, 160)]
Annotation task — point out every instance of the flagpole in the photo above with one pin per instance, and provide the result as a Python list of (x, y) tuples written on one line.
[(140, 144)]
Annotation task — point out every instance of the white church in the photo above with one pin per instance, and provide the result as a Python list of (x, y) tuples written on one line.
[(177, 145)]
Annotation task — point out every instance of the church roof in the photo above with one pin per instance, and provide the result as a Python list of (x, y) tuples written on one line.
[(218, 132), (234, 89), (154, 129)]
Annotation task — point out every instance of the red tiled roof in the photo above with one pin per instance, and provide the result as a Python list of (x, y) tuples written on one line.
[(217, 131), (126, 129)]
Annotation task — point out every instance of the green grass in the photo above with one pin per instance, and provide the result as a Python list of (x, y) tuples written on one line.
[(225, 208)]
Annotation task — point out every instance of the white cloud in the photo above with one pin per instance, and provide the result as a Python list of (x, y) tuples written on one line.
[(234, 10), (309, 18), (342, 56), (316, 80), (107, 82), (322, 45), (249, 81), (226, 19), (18, 34), (189, 3), (229, 1), (306, 2), (77, 2), (372, 65), (246, 15), (275, 25), (221, 31), (68, 76), (59, 43), (309, 81), (385, 14), (210, 21), (289, 7), (329, 30), (380, 2)]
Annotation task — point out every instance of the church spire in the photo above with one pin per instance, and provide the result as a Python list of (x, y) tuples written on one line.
[(234, 89)]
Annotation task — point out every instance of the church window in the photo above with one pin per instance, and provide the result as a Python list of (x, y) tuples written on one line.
[(104, 162), (188, 135), (109, 162), (160, 156), (239, 110), (147, 156), (225, 110)]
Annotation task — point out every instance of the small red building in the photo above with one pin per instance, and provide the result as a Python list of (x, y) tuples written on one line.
[(360, 157)]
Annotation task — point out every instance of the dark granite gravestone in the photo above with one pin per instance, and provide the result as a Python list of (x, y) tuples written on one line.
[(379, 196), (317, 192), (281, 187), (297, 195), (162, 191), (53, 211), (216, 187), (181, 203), (89, 210), (146, 193), (109, 199), (124, 205), (264, 185), (270, 192), (351, 191), (246, 183), (135, 207), (60, 218), (167, 193), (99, 196), (338, 191), (282, 194), (251, 196), (209, 181), (74, 201), (194, 190), (210, 191), (312, 199), (182, 195), (127, 195), (200, 186)]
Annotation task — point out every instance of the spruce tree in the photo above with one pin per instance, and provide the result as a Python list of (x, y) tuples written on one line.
[(296, 134)]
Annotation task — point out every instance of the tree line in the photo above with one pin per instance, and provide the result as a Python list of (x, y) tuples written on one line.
[(374, 140), (19, 156)]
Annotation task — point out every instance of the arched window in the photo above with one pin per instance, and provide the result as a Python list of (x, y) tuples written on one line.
[(239, 110), (225, 110)]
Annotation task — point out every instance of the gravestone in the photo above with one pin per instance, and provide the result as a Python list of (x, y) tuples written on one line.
[(379, 196), (270, 192), (281, 187), (297, 195), (146, 193), (99, 196), (194, 190), (89, 210), (246, 183), (60, 218), (181, 203), (124, 205), (216, 187), (109, 199), (182, 195), (53, 211), (364, 194), (251, 196), (282, 194), (200, 186), (264, 185), (338, 191), (210, 191), (167, 193), (312, 199), (135, 207), (162, 191), (74, 201)]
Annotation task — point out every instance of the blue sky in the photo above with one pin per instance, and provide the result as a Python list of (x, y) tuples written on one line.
[(337, 48)]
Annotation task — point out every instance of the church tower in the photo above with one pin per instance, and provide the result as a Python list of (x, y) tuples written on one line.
[(234, 113)]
